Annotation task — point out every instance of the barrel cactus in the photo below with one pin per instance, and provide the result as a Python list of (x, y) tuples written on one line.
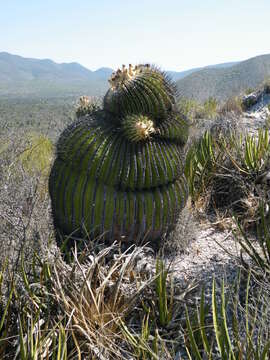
[(119, 169)]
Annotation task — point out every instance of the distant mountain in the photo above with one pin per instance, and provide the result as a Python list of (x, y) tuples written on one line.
[(175, 75), (26, 76), (224, 82)]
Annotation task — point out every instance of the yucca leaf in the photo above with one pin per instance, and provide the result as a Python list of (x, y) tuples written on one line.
[(265, 353), (191, 338), (202, 324), (3, 317), (224, 321), (218, 333), (22, 349)]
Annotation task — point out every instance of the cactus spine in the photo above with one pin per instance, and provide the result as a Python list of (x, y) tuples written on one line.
[(119, 170)]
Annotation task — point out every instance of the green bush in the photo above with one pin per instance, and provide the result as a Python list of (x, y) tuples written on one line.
[(194, 110), (38, 155), (188, 107), (209, 109)]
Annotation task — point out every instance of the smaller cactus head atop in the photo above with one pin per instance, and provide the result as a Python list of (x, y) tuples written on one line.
[(140, 89), (140, 103), (86, 105)]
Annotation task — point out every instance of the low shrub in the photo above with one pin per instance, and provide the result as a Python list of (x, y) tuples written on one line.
[(188, 107), (232, 105), (208, 109)]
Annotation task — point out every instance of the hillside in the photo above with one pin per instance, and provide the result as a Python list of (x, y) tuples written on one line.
[(177, 75), (223, 83), (26, 76)]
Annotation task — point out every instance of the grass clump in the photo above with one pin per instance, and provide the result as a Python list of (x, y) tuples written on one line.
[(226, 174), (232, 105), (234, 324), (100, 306), (232, 327), (194, 110)]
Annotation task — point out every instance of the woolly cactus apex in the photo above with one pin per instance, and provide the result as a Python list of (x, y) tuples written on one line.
[(119, 170), (138, 127)]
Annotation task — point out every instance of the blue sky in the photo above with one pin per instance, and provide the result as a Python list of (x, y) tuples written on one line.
[(173, 34)]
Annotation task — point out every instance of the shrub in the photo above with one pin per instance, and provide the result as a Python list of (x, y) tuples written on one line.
[(188, 107), (209, 109), (232, 105)]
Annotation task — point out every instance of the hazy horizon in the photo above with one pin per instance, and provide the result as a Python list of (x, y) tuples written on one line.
[(101, 66), (176, 36)]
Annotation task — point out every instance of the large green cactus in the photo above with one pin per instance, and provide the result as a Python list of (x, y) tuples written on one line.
[(119, 170)]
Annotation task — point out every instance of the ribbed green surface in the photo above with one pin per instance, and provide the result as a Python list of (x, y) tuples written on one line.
[(82, 203), (174, 128), (108, 181), (148, 93), (105, 154)]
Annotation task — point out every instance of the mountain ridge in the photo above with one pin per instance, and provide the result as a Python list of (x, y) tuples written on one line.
[(223, 83), (20, 76)]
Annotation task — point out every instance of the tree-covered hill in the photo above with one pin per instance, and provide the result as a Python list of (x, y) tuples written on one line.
[(33, 77), (222, 83)]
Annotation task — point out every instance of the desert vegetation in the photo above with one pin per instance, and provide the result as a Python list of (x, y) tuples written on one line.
[(106, 302)]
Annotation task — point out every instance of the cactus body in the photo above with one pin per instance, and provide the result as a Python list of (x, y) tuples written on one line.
[(119, 170)]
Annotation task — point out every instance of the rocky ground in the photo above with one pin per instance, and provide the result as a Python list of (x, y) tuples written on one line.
[(209, 251)]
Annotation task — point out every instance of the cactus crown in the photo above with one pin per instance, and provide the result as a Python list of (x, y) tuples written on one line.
[(119, 77), (141, 100), (140, 90)]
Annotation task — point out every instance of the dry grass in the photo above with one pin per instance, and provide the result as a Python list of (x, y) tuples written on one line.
[(97, 296), (232, 105)]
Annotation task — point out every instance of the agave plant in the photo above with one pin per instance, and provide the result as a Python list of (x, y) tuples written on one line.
[(119, 169)]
